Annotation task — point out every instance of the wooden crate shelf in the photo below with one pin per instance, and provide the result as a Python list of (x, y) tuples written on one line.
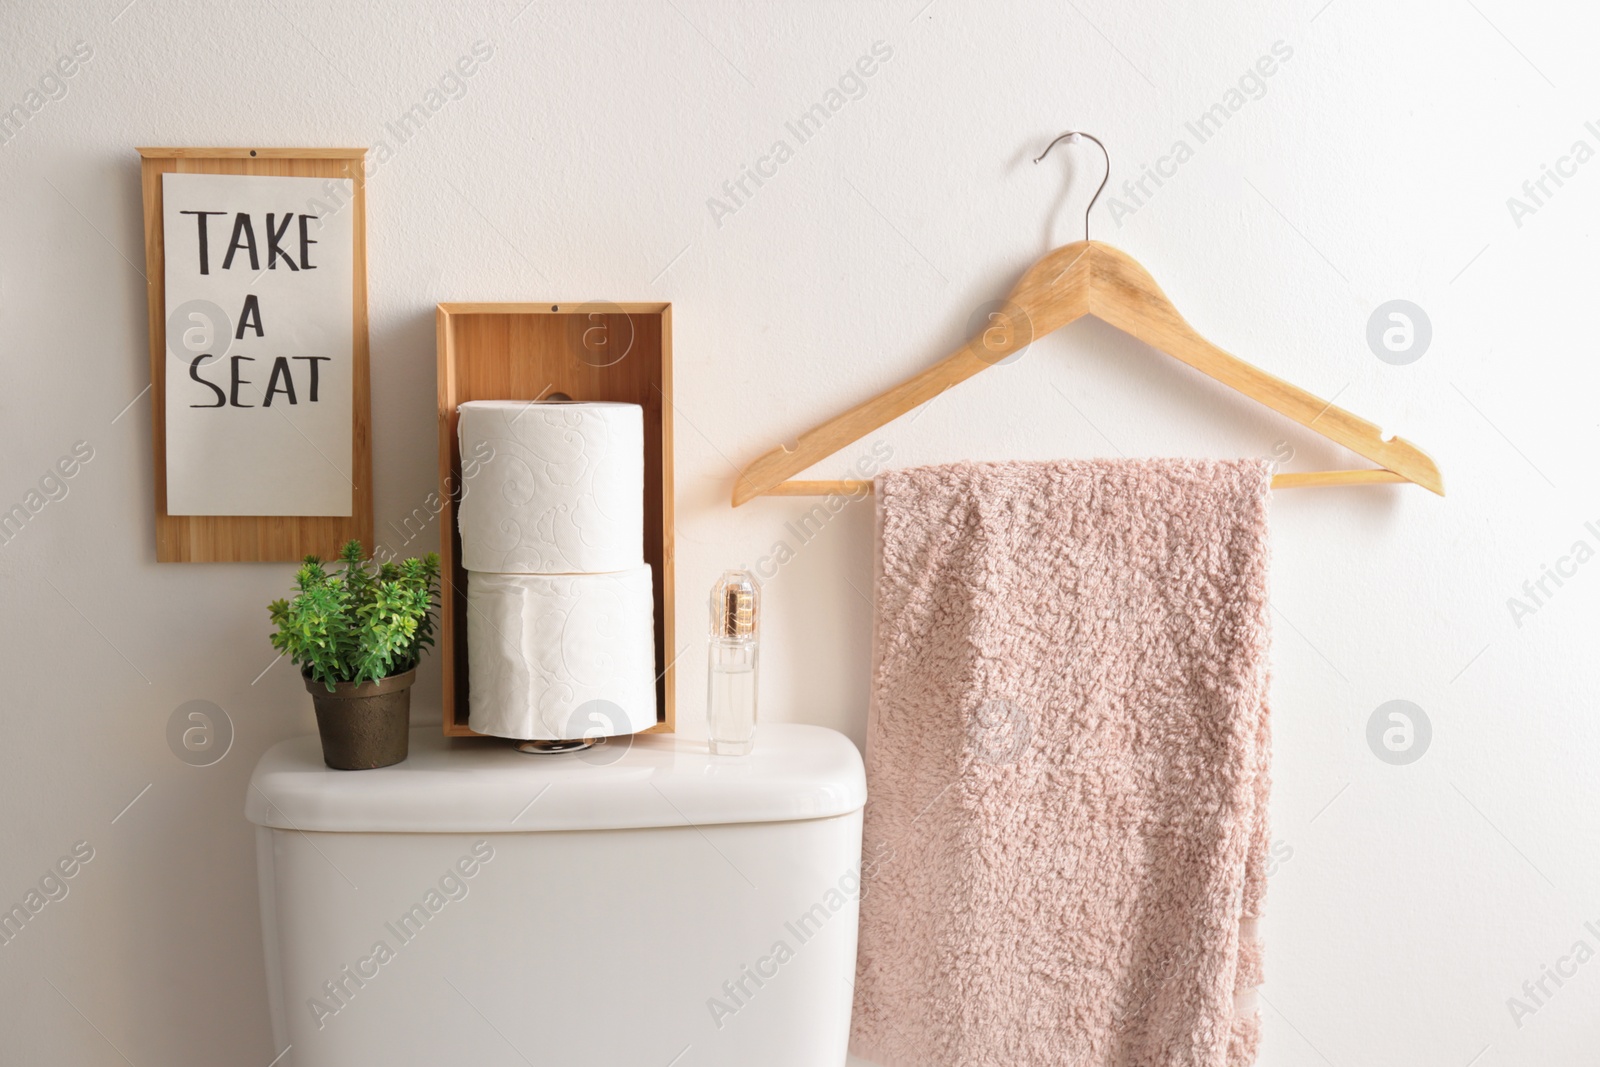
[(584, 351)]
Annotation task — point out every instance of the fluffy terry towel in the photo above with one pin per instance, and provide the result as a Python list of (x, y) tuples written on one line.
[(1067, 765)]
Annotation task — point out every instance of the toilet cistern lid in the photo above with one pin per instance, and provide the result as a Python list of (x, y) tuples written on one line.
[(472, 785)]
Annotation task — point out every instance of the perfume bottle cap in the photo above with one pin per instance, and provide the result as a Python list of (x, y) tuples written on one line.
[(734, 601)]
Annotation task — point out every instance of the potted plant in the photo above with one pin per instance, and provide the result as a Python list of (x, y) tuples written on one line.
[(357, 637)]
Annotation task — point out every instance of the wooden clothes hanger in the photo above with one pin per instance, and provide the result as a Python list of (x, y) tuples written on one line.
[(1090, 278)]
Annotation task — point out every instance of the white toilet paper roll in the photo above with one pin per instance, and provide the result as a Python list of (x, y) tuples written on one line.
[(561, 655), (563, 491)]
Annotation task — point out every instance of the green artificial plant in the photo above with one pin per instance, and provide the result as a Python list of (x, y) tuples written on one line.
[(359, 625)]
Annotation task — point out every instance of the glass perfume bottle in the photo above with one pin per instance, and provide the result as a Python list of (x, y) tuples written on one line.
[(731, 667)]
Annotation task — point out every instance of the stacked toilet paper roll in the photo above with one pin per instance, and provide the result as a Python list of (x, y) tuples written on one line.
[(560, 608)]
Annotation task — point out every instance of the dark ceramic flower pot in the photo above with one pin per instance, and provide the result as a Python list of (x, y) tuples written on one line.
[(364, 724)]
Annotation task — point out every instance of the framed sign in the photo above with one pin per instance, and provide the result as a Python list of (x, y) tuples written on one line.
[(256, 271)]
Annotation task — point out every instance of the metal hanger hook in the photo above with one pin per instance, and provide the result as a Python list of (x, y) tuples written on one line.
[(1071, 137)]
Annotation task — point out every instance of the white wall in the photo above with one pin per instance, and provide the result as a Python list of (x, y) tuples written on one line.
[(1376, 164)]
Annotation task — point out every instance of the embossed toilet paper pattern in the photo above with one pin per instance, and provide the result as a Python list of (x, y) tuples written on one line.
[(541, 646), (565, 493), (560, 603)]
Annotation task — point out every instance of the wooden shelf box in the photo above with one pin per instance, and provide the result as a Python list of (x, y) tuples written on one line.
[(592, 351)]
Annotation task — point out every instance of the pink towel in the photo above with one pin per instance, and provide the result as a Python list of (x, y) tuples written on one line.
[(1067, 764)]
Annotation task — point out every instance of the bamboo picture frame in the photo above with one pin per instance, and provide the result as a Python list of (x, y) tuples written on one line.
[(257, 538)]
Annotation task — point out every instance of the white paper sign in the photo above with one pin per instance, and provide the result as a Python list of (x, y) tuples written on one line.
[(259, 381)]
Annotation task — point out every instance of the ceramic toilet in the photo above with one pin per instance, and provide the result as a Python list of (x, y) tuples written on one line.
[(643, 905)]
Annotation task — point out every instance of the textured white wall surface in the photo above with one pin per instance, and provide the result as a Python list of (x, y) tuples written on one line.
[(1442, 911)]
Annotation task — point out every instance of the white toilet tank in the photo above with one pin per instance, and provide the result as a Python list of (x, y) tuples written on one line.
[(631, 906)]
